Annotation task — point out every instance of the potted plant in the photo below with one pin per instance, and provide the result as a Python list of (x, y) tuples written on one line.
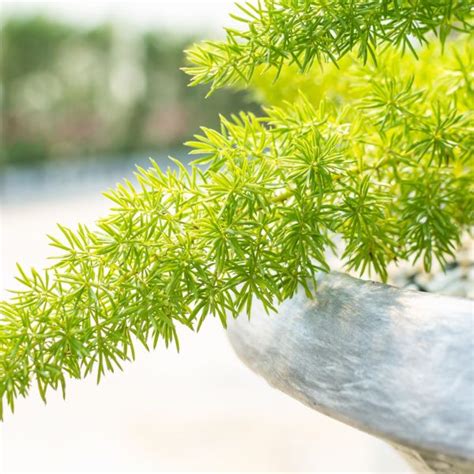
[(365, 144)]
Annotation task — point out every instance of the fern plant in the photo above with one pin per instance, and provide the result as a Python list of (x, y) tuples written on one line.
[(358, 142)]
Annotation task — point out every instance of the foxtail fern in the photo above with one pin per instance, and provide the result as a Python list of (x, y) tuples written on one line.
[(378, 155)]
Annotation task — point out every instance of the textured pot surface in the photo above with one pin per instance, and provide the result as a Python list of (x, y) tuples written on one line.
[(396, 363)]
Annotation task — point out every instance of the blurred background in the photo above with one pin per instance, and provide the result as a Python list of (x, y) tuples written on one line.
[(88, 90), (98, 84)]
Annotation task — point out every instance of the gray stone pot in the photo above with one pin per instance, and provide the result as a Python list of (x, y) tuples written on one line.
[(398, 364)]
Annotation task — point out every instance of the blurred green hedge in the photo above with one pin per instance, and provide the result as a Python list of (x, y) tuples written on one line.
[(69, 91)]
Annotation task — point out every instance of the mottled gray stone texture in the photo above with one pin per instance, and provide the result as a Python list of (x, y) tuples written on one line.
[(398, 364)]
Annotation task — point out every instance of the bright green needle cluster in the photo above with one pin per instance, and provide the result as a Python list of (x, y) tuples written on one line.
[(302, 32), (387, 170)]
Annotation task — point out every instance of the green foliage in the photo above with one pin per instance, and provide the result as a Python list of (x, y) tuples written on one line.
[(302, 32), (440, 72), (385, 167)]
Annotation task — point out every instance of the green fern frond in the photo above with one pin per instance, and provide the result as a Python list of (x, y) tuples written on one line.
[(304, 32), (387, 170)]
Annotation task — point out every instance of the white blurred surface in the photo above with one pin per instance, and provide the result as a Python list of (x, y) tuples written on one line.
[(205, 14), (200, 410)]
